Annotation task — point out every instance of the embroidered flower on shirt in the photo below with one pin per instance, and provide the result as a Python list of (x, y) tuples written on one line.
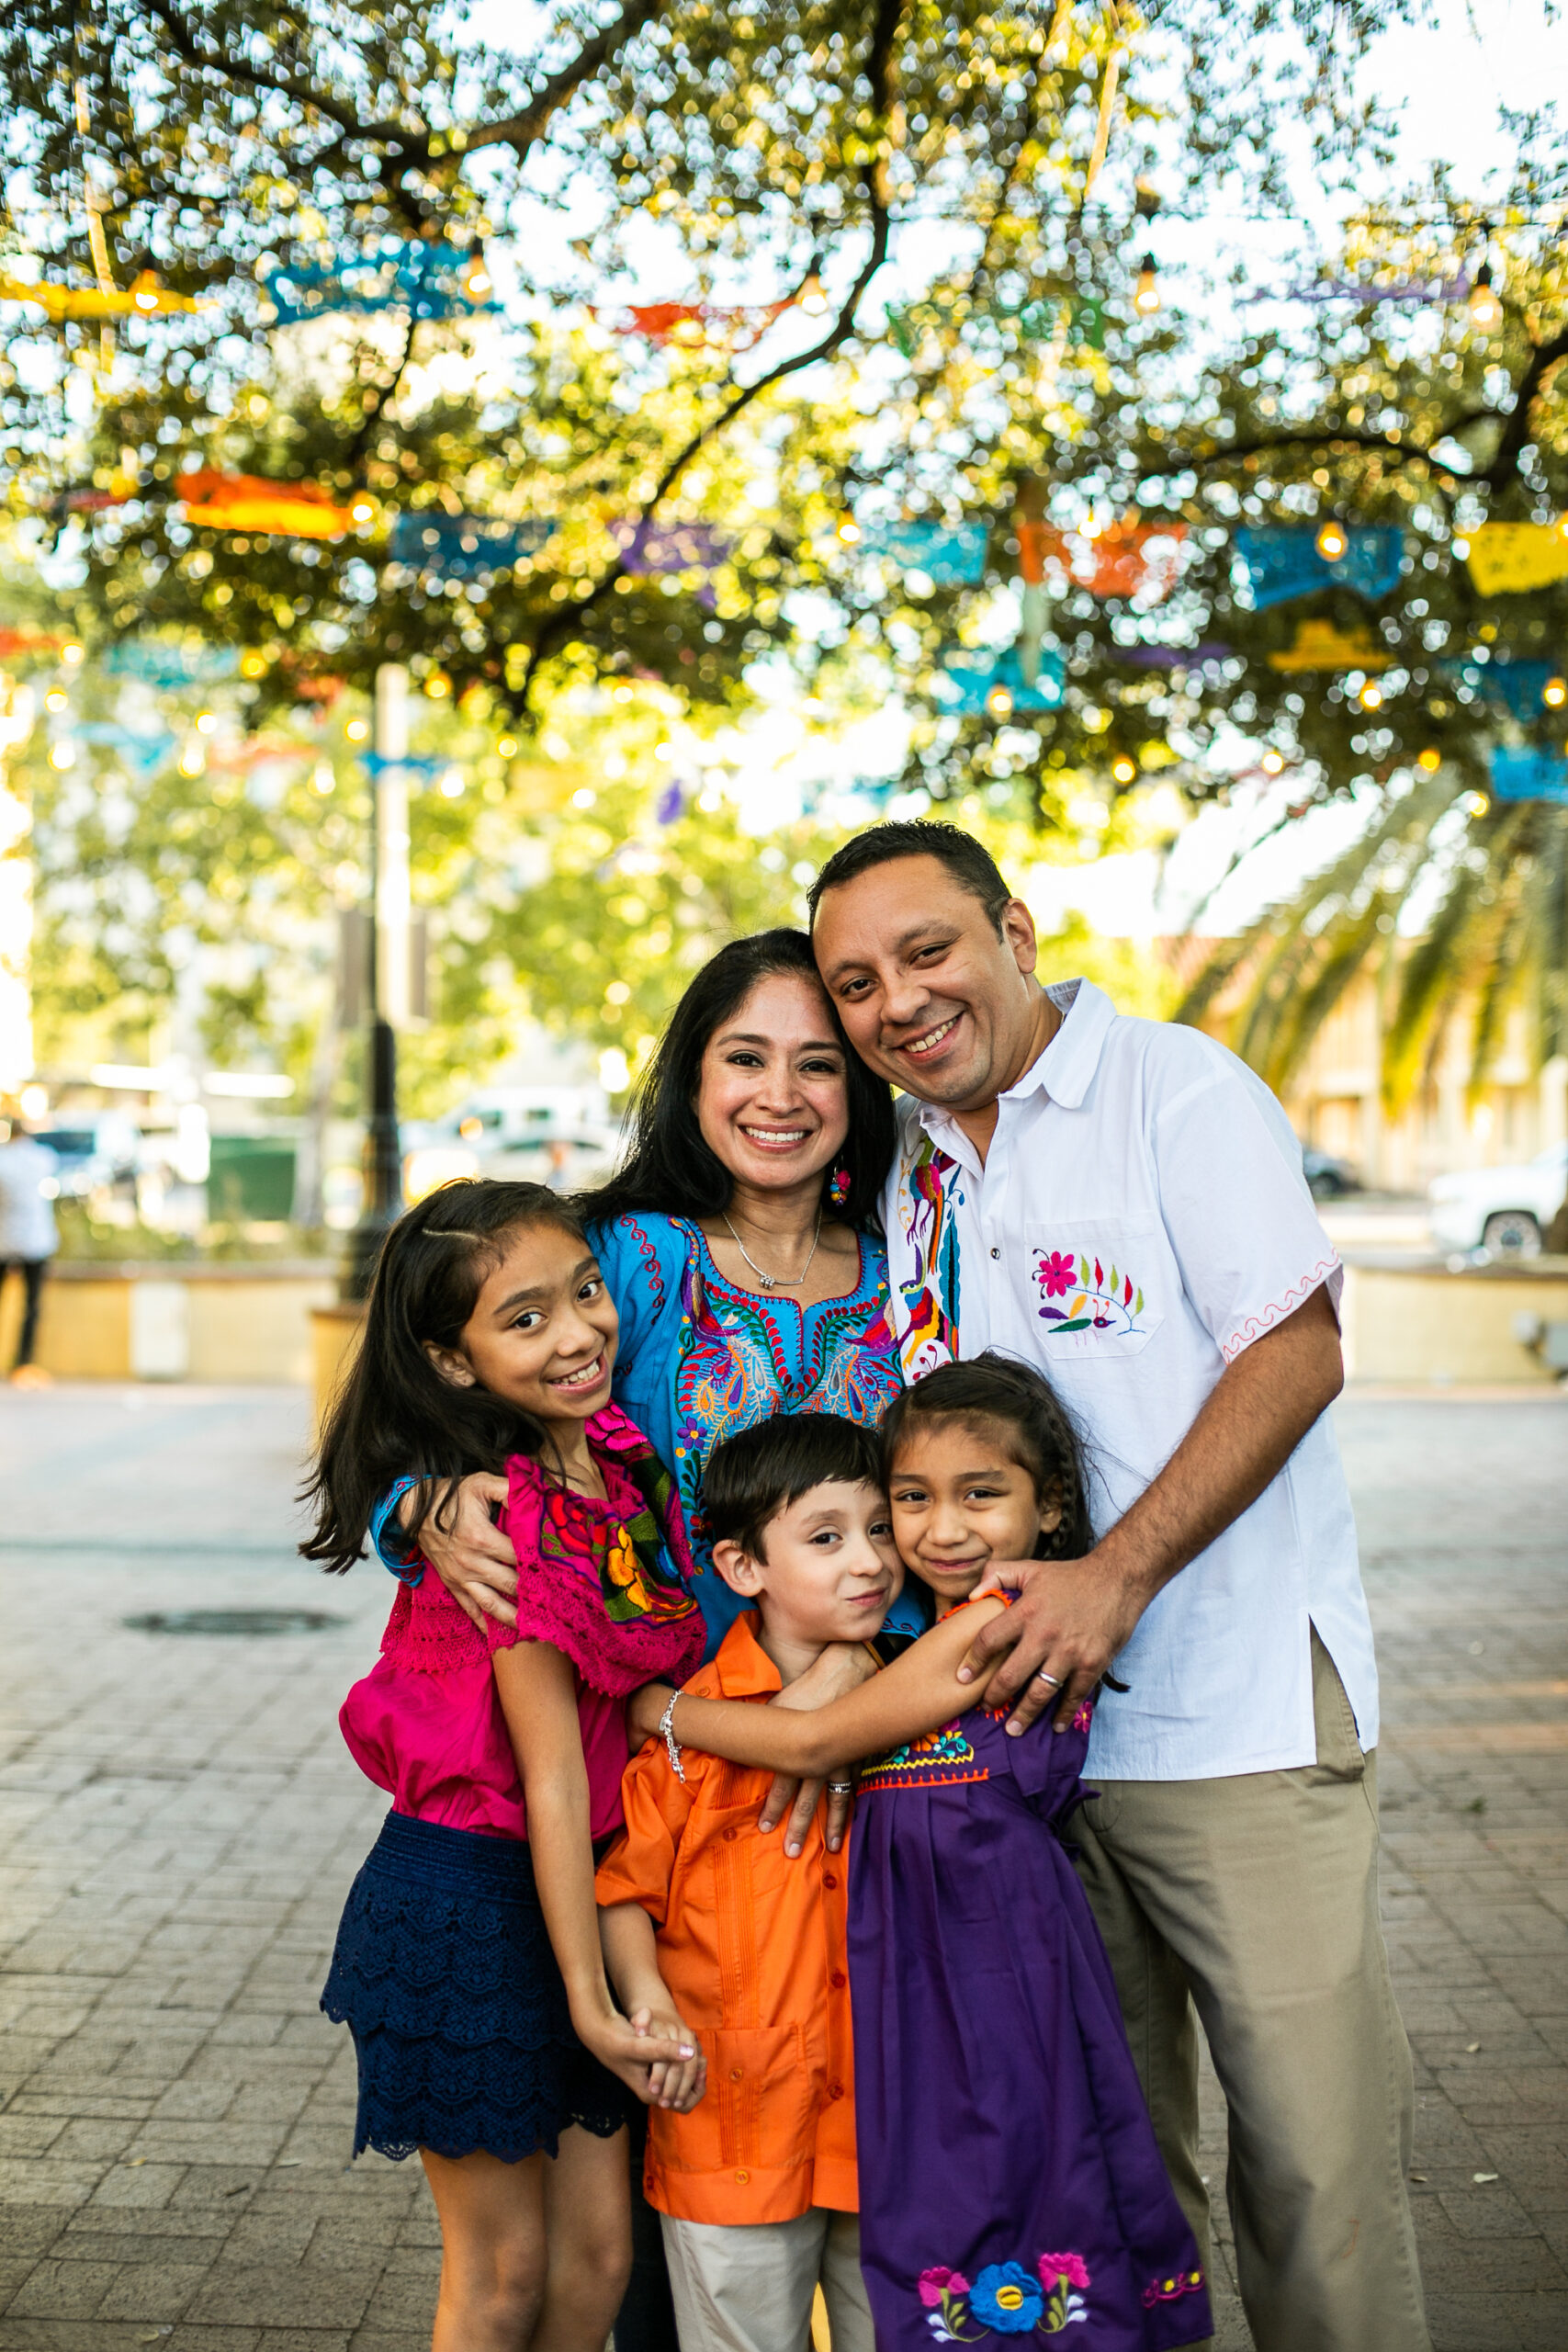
[(939, 2282), (1096, 1300), (1056, 1272)]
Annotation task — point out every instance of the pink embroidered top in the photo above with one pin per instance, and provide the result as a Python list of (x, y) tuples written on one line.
[(605, 1583)]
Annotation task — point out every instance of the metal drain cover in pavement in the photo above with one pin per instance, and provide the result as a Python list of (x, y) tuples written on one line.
[(232, 1621)]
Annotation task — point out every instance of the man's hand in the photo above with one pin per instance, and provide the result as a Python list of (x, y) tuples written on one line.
[(841, 1667), (1057, 1641), (1073, 1616), (473, 1559)]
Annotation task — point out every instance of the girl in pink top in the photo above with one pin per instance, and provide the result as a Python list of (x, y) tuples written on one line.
[(467, 1963)]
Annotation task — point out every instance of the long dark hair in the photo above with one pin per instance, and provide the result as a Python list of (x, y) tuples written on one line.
[(669, 1168), (395, 1415), (1021, 1402)]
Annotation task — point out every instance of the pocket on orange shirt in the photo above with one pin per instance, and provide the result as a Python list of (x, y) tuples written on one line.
[(758, 2106)]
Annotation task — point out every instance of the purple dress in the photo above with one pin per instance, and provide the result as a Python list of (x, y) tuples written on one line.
[(1010, 2183)]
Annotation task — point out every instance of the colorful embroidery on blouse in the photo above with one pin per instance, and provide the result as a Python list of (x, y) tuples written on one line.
[(923, 1261), (603, 1582), (943, 1758), (650, 1255), (1006, 2299), (1091, 1299), (607, 1586), (741, 1363), (1170, 2290)]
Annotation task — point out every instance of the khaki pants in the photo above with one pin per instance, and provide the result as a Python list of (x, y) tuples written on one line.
[(1257, 1898), (747, 2287)]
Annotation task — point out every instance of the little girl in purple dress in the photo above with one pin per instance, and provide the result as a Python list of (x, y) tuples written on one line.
[(1009, 2180)]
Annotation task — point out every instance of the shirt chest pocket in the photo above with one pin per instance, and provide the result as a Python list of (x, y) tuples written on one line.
[(1096, 1287)]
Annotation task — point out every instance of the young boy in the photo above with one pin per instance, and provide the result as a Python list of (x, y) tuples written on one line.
[(699, 1911)]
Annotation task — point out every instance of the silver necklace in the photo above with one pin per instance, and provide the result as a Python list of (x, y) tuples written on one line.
[(776, 1282)]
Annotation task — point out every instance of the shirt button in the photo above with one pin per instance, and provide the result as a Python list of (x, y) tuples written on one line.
[(737, 2073), (838, 1980), (829, 1879), (996, 1253), (741, 2179), (835, 2090), (730, 1836)]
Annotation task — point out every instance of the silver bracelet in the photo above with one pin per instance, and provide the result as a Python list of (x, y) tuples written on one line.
[(671, 1745)]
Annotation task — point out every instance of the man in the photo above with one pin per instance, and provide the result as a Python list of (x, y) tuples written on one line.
[(1121, 1201), (29, 1236)]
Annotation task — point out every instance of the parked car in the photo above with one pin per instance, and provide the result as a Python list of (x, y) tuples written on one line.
[(100, 1150), (1328, 1179), (560, 1135), (1505, 1210)]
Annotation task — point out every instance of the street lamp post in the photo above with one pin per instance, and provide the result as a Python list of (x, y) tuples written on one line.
[(387, 968)]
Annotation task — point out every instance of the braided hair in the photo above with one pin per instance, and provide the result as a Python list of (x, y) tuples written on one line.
[(1021, 1405)]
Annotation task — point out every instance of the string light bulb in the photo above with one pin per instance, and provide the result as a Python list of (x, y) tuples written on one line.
[(1146, 294), (1371, 695), (1331, 541), (1486, 310), (999, 703), (1124, 770), (849, 531), (1429, 761), (1554, 694), (475, 280), (812, 298)]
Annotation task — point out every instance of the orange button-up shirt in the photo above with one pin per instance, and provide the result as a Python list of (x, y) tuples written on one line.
[(752, 1949)]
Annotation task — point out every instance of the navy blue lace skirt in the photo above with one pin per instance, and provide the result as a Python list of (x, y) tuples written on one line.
[(443, 1974)]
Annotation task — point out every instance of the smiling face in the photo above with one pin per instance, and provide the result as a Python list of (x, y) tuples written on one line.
[(959, 1500), (829, 1570), (928, 995), (543, 1331), (773, 1103)]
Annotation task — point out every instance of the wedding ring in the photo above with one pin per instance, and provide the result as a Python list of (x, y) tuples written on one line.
[(840, 1787), (1051, 1679)]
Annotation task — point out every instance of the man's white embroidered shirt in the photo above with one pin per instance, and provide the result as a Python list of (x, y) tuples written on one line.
[(1140, 1219)]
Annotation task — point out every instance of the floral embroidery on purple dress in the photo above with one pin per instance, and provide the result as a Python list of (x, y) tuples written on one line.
[(987, 2031)]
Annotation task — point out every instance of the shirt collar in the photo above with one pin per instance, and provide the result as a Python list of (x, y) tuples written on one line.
[(744, 1668), (1069, 1063), (1065, 1068)]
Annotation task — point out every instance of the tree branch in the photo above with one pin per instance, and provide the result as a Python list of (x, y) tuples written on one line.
[(1315, 437), (521, 130), (882, 73), (1504, 465)]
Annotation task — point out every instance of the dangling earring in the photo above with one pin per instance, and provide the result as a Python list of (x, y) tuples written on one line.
[(839, 1190)]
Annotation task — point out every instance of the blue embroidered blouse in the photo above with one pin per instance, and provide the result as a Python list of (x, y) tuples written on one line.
[(699, 1359)]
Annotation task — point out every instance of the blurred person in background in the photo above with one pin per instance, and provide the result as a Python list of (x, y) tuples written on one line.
[(28, 1234)]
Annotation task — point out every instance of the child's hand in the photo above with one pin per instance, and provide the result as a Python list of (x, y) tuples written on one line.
[(675, 2083), (634, 2054)]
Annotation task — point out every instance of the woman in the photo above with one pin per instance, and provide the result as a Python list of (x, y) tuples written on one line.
[(740, 1244)]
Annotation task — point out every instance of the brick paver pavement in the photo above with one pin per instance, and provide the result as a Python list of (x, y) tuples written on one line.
[(179, 1820)]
